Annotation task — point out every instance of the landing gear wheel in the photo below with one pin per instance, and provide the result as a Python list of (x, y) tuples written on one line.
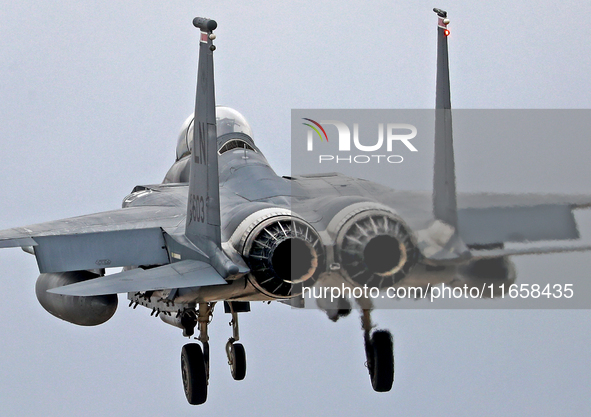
[(194, 373), (380, 360), (237, 361)]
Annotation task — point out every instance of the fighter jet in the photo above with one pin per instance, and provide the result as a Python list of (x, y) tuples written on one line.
[(224, 227)]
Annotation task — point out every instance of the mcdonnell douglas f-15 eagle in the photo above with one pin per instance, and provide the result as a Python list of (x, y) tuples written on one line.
[(224, 227)]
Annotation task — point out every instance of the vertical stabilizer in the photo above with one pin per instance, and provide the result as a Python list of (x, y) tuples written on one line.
[(444, 179), (203, 208), (441, 242)]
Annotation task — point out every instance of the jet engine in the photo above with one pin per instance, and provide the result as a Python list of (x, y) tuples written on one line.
[(283, 252), (83, 311), (374, 247)]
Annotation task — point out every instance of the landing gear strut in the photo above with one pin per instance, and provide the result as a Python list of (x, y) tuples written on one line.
[(235, 351), (195, 361), (379, 352)]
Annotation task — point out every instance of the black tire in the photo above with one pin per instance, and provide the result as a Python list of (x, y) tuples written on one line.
[(194, 374), (381, 363), (238, 367)]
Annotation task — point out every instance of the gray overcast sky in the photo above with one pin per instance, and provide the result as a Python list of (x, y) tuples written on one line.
[(92, 96)]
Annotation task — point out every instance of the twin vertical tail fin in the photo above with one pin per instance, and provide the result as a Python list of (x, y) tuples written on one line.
[(441, 241), (444, 179), (203, 209)]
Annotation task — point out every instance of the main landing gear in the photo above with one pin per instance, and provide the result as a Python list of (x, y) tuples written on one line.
[(195, 360), (235, 351), (194, 371), (379, 352)]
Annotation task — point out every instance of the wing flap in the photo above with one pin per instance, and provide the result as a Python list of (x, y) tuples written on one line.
[(184, 274)]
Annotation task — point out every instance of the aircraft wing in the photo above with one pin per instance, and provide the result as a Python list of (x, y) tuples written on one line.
[(124, 237), (493, 225)]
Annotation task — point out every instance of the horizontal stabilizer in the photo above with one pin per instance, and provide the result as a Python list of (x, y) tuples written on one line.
[(130, 218), (101, 250), (182, 274)]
